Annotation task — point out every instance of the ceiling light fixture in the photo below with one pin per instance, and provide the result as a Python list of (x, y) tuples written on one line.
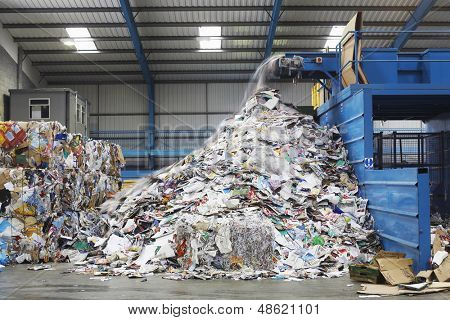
[(85, 45), (336, 33), (81, 38), (210, 50), (210, 31), (78, 32), (206, 39), (68, 42), (210, 44)]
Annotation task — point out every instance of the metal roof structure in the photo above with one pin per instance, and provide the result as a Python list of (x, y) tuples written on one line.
[(168, 30)]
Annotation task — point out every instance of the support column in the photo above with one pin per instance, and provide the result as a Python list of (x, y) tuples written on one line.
[(19, 73)]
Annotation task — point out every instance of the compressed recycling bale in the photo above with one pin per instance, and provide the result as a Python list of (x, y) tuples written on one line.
[(227, 243), (48, 178), (252, 240), (48, 145)]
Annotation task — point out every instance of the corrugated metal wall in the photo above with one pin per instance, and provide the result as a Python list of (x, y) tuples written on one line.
[(401, 125), (178, 106)]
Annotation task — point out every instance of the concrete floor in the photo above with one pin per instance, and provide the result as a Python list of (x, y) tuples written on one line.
[(16, 282)]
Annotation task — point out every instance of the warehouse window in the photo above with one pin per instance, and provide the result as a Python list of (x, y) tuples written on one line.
[(39, 108)]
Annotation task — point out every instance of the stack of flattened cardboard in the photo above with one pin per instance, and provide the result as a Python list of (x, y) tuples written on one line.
[(390, 273)]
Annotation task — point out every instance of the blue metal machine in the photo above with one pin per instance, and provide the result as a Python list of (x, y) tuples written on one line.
[(401, 85)]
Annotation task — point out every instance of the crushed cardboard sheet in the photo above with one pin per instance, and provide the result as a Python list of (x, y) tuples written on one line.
[(396, 271), (386, 290), (443, 271)]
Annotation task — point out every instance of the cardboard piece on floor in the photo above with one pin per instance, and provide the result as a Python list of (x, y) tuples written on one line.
[(425, 274), (396, 271), (389, 254), (437, 244), (440, 285), (380, 289), (443, 272), (414, 286), (424, 291), (385, 290)]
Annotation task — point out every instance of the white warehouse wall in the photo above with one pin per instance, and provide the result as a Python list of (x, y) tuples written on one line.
[(399, 124), (174, 103)]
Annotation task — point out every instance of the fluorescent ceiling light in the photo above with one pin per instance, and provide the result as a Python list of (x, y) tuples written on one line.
[(209, 31), (210, 50), (85, 45), (78, 32), (88, 51), (206, 41), (336, 31), (81, 38), (210, 44), (68, 42)]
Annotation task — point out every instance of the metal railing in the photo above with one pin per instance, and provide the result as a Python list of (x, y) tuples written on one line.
[(429, 150)]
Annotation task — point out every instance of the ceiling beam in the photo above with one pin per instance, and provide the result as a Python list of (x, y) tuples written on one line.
[(136, 73), (276, 10), (178, 38), (223, 24), (416, 18), (230, 38), (149, 51), (102, 82), (143, 63), (216, 8), (134, 62)]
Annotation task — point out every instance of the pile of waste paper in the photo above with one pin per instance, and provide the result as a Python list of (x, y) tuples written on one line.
[(51, 182), (391, 274), (271, 194)]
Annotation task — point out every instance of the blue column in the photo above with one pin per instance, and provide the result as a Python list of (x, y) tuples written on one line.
[(421, 11), (273, 27), (143, 63)]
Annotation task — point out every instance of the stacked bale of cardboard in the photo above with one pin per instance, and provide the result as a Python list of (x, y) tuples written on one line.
[(48, 178)]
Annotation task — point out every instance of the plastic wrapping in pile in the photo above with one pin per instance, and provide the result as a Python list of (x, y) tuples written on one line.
[(271, 194), (51, 182)]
